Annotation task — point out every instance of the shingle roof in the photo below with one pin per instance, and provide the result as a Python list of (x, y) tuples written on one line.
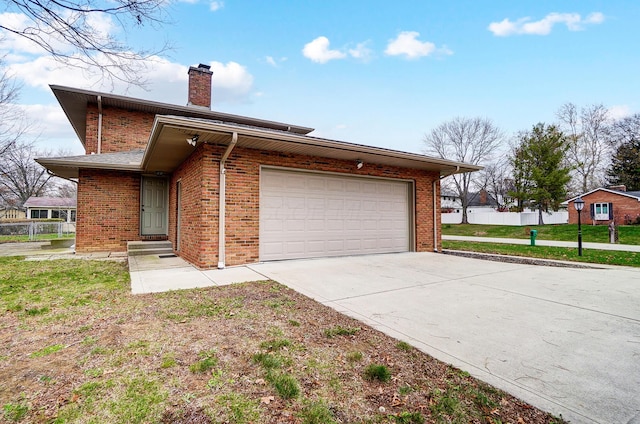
[(50, 202), (128, 158)]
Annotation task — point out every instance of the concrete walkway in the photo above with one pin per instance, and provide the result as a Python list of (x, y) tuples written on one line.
[(154, 274), (566, 340), (595, 246)]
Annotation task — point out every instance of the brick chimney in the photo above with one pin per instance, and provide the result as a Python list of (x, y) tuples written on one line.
[(620, 187), (483, 197), (200, 86)]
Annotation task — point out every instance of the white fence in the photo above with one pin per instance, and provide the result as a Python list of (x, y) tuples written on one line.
[(507, 218), (36, 229)]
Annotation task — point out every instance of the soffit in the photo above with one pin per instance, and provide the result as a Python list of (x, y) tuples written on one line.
[(168, 147)]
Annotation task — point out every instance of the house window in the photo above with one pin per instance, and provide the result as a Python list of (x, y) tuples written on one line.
[(601, 211), (39, 213), (59, 214), (73, 215)]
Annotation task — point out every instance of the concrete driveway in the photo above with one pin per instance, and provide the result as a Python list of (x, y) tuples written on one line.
[(564, 339)]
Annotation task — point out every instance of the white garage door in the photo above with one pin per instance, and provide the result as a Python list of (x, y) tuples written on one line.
[(307, 215)]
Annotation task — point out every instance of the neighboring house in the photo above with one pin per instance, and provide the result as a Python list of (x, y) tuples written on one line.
[(477, 201), (230, 190), (450, 202), (51, 208), (603, 205), (11, 213), (481, 201)]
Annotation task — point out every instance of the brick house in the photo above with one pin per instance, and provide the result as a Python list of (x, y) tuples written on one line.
[(230, 190), (603, 205)]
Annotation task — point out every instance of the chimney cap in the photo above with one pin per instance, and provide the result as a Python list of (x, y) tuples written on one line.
[(202, 68)]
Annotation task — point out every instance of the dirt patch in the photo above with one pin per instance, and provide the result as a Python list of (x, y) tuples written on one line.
[(254, 353)]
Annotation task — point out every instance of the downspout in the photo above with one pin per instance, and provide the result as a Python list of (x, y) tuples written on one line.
[(221, 202), (435, 210), (99, 124)]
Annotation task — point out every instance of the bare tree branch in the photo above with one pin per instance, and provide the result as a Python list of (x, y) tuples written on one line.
[(20, 176), (469, 140), (587, 131), (67, 30)]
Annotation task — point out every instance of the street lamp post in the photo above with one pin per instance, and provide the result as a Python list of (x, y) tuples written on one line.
[(579, 204)]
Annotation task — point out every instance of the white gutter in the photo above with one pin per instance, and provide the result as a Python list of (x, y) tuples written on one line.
[(222, 201), (304, 140), (435, 210), (99, 124)]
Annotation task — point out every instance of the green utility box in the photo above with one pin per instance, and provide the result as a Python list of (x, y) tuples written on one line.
[(533, 234)]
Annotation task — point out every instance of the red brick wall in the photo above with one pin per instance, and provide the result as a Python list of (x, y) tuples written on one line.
[(199, 176), (109, 203), (200, 87), (122, 129), (108, 210), (622, 206), (199, 208)]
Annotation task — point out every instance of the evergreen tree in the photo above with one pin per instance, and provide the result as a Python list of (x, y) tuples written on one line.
[(539, 168), (625, 163), (625, 166)]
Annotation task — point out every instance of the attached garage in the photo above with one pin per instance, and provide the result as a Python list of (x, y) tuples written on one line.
[(313, 214)]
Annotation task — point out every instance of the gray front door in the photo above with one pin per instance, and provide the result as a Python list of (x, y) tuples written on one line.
[(153, 213)]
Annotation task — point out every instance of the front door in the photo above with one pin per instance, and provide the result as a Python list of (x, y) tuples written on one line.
[(153, 206)]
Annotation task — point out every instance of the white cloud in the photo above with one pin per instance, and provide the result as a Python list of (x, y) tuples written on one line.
[(275, 62), (214, 6), (619, 111), (573, 22), (166, 81), (361, 52), (318, 51), (231, 83), (407, 44), (15, 44)]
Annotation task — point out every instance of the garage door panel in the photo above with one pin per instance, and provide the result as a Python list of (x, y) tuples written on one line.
[(315, 224), (313, 215)]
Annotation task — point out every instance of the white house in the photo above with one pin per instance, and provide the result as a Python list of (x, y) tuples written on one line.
[(51, 208)]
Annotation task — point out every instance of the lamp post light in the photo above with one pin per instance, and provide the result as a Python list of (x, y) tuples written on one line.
[(579, 204)]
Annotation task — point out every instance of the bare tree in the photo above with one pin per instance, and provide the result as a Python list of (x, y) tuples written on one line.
[(74, 32), (20, 176), (497, 181), (469, 140), (586, 131), (12, 125)]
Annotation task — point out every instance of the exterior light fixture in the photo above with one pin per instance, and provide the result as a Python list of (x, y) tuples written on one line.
[(359, 164), (579, 205), (192, 141)]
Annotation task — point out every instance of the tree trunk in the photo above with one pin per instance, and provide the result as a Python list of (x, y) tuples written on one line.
[(465, 219), (540, 220)]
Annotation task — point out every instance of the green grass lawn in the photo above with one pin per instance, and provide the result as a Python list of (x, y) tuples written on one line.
[(628, 234), (77, 347), (39, 237), (607, 257)]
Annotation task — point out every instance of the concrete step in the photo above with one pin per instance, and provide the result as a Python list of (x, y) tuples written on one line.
[(137, 248)]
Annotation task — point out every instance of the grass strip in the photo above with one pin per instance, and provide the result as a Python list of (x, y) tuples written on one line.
[(628, 234), (606, 257)]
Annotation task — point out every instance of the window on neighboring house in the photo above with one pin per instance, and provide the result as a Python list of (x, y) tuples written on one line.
[(73, 215), (602, 211), (59, 214), (39, 213)]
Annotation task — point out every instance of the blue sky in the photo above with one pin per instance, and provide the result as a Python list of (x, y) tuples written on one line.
[(372, 72)]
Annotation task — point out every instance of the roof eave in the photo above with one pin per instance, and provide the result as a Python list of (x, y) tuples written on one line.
[(346, 151), (70, 169)]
